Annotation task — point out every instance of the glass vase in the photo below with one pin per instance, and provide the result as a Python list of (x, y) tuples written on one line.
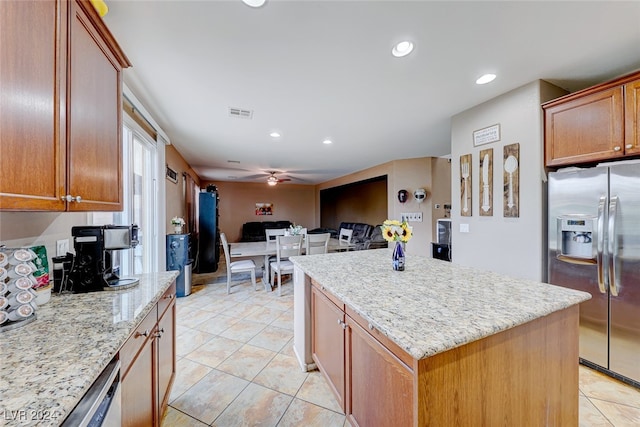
[(398, 257), (177, 229)]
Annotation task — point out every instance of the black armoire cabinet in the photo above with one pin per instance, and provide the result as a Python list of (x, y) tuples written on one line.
[(209, 238)]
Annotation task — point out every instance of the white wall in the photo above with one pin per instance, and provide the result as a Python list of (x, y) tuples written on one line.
[(513, 246)]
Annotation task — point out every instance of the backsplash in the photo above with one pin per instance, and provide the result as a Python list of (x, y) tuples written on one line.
[(19, 229)]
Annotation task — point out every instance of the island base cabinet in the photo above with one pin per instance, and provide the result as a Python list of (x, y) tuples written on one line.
[(380, 386), (138, 385), (327, 342), (524, 376)]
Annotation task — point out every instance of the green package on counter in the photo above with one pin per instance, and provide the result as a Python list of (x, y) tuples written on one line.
[(42, 266)]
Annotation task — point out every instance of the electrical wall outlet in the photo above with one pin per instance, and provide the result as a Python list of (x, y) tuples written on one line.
[(411, 216), (464, 228), (62, 247)]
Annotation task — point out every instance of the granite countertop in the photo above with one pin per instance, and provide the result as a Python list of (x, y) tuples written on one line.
[(433, 305), (49, 364)]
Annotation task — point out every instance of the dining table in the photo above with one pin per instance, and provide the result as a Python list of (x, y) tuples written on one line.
[(267, 249)]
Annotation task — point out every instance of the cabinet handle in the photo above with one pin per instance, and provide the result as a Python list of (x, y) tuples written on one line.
[(616, 148), (343, 324), (69, 198), (170, 296), (142, 334), (628, 146), (371, 327)]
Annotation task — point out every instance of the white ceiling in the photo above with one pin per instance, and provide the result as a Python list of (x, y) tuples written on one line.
[(323, 69)]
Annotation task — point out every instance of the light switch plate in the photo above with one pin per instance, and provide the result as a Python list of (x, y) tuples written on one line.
[(62, 247), (411, 216)]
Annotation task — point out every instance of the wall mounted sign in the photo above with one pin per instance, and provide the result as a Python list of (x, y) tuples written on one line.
[(264, 208), (486, 135), (486, 184), (511, 176), (465, 185)]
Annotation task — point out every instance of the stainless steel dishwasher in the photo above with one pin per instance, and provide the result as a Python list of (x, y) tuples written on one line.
[(101, 404)]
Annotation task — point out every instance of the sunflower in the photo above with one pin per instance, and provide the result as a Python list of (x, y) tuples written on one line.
[(395, 231)]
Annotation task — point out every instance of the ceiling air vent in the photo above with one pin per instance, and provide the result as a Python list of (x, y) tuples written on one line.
[(240, 113)]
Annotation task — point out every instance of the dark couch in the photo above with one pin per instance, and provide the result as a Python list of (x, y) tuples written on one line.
[(376, 241), (254, 231), (361, 233)]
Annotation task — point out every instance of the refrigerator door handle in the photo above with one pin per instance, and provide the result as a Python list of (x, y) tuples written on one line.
[(613, 245), (600, 243)]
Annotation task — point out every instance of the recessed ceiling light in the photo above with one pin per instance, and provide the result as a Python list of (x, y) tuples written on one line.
[(327, 141), (403, 48), (487, 78), (254, 3), (275, 135)]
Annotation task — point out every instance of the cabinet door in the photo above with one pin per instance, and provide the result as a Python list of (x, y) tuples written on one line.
[(380, 386), (166, 356), (585, 129), (632, 118), (327, 342), (139, 389), (32, 146), (94, 170)]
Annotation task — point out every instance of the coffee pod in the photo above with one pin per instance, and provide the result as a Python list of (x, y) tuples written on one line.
[(21, 270), (3, 316), (22, 297), (20, 284), (21, 255), (3, 288), (4, 259), (21, 313), (4, 302), (3, 274)]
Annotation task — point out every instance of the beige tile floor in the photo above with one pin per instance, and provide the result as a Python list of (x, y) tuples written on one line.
[(236, 367)]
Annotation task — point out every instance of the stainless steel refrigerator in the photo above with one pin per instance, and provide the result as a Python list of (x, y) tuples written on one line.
[(594, 246)]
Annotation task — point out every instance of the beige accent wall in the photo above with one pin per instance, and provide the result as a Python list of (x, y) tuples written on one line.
[(176, 192), (408, 174), (292, 202), (441, 177), (365, 203)]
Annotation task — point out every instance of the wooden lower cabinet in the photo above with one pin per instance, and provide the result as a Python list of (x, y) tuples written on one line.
[(328, 342), (149, 366), (380, 385), (523, 376)]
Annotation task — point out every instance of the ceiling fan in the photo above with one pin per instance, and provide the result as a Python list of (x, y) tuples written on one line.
[(273, 179)]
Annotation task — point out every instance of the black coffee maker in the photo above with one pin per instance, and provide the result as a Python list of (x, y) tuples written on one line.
[(92, 268)]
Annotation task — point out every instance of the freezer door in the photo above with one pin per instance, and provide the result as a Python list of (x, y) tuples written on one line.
[(625, 270), (577, 202)]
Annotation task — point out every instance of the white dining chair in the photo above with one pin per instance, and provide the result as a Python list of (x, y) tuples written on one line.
[(286, 246), (242, 266), (317, 243), (272, 233), (344, 239)]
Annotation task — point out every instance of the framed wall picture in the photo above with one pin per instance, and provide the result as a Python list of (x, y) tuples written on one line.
[(264, 208), (486, 135), (465, 185), (511, 179), (172, 175), (486, 182)]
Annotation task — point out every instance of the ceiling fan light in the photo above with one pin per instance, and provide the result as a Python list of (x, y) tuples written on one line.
[(272, 182)]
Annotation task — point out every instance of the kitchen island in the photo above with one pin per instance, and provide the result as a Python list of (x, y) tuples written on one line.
[(48, 365), (437, 344)]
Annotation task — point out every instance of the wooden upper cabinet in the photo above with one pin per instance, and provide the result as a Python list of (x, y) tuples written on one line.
[(632, 118), (61, 121), (94, 118), (595, 124), (32, 147), (585, 129)]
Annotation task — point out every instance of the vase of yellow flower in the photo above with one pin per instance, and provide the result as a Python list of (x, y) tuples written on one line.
[(400, 233)]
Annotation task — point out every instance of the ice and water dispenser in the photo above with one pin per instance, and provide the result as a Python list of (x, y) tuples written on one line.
[(577, 238)]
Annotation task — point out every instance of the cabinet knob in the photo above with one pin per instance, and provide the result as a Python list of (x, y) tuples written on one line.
[(628, 146), (142, 334), (69, 198), (371, 326), (170, 296), (617, 148)]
